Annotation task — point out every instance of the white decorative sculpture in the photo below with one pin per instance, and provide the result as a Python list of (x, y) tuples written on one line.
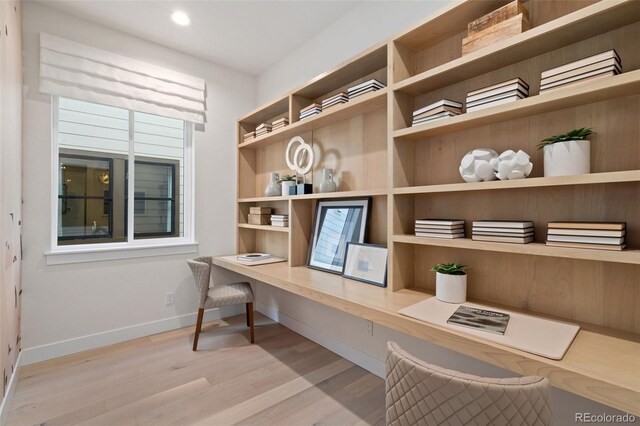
[(303, 157), (479, 165), (513, 165)]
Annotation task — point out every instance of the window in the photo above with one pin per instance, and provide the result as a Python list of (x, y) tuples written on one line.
[(98, 149)]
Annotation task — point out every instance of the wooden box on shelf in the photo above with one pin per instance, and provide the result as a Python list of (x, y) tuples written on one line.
[(260, 210), (259, 219)]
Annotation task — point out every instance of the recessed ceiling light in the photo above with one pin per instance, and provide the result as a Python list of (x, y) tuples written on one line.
[(181, 18)]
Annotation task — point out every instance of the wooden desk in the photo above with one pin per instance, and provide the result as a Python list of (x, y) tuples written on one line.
[(601, 364)]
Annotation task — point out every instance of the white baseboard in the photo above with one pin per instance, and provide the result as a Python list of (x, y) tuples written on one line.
[(92, 341), (358, 357), (11, 388)]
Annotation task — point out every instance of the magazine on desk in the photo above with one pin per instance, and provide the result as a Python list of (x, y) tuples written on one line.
[(480, 319), (254, 257)]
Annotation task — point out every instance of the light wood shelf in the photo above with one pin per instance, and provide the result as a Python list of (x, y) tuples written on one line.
[(318, 196), (580, 25), (587, 369), (371, 150), (625, 84), (539, 182), (360, 105), (535, 249), (268, 228)]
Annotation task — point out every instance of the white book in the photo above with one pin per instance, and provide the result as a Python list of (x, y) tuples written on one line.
[(434, 117), (441, 222), (503, 224), (581, 63), (373, 82), (254, 257), (501, 230), (497, 91), (444, 117), (587, 232), (588, 240), (607, 70), (496, 98), (442, 102), (362, 92), (494, 103), (440, 231), (520, 240), (340, 101), (499, 85), (281, 225), (434, 235), (582, 70), (502, 234)]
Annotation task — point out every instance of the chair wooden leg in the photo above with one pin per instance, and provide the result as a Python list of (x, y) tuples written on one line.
[(198, 328), (247, 310), (250, 314)]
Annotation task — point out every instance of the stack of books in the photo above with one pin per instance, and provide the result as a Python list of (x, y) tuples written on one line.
[(313, 109), (334, 100), (439, 228), (437, 111), (497, 94), (263, 129), (366, 87), (602, 65), (590, 235), (250, 135), (279, 123), (503, 231), (281, 220)]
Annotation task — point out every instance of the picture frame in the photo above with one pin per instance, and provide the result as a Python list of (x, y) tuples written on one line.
[(336, 223), (366, 263)]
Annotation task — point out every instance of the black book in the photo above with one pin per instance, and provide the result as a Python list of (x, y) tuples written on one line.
[(480, 319)]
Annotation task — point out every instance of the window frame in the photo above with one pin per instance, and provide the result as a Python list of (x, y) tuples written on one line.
[(183, 244)]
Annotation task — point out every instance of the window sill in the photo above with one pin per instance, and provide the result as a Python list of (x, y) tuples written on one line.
[(66, 256)]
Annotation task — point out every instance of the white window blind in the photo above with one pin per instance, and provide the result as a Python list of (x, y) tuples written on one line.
[(78, 71)]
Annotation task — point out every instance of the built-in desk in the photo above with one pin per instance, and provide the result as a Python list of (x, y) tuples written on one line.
[(601, 364)]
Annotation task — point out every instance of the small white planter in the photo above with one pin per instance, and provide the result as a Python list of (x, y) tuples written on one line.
[(286, 184), (451, 288), (567, 158)]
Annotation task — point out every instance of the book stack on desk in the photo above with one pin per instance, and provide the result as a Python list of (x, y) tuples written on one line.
[(279, 123), (498, 231), (602, 65), (366, 87), (280, 220), (311, 110), (497, 94), (439, 228), (590, 235), (263, 129), (340, 98), (444, 108)]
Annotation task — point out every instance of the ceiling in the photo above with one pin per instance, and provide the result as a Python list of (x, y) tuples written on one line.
[(249, 36)]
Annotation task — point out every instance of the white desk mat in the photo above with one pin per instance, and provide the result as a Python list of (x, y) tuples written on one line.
[(538, 336), (272, 259)]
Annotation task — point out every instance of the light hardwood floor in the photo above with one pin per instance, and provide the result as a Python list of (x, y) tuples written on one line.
[(284, 379)]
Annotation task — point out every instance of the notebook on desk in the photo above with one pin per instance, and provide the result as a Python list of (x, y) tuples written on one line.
[(539, 336), (235, 258)]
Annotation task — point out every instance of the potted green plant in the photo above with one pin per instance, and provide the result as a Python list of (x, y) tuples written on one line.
[(288, 181), (567, 154), (451, 282)]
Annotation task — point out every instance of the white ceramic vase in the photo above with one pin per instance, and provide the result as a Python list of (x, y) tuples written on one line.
[(451, 288), (286, 184), (327, 184), (273, 188), (567, 158)]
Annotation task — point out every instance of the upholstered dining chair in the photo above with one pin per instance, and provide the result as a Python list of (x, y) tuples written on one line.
[(218, 295), (418, 393)]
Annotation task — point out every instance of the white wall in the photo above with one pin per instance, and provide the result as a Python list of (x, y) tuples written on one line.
[(367, 24), (74, 307)]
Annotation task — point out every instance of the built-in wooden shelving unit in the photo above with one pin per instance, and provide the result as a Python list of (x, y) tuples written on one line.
[(412, 172)]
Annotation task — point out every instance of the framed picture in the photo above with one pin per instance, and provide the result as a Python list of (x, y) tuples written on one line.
[(366, 263), (336, 223)]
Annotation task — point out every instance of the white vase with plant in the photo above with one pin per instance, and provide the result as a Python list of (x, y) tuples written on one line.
[(451, 282), (287, 181), (567, 154)]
